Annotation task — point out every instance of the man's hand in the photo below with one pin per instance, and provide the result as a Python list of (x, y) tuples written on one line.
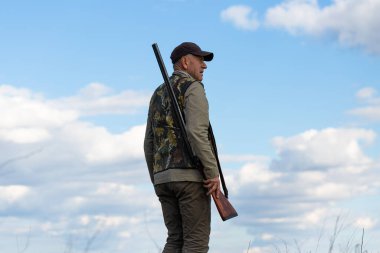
[(213, 186)]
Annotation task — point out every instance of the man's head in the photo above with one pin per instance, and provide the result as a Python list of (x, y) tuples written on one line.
[(190, 57)]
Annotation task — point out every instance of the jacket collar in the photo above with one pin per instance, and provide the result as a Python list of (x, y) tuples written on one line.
[(182, 73)]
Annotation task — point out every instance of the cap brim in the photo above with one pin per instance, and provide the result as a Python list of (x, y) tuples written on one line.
[(207, 56)]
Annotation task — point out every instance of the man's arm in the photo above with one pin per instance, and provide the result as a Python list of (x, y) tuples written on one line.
[(148, 147), (197, 122)]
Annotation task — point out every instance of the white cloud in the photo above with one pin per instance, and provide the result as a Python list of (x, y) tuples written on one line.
[(241, 16), (366, 93), (256, 173), (95, 90), (370, 98), (301, 188), (331, 190), (24, 134), (125, 234), (296, 16), (327, 148), (243, 158), (315, 216), (96, 145), (29, 118), (369, 112), (311, 177), (13, 193), (115, 188), (31, 109), (267, 237), (70, 166), (260, 249), (365, 222), (98, 99), (353, 22), (114, 221)]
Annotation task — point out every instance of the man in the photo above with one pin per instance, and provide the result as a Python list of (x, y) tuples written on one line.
[(183, 190)]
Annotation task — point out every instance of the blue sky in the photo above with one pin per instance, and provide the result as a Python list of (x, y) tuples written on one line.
[(294, 103)]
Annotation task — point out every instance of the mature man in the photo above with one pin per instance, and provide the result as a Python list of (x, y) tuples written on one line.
[(183, 190)]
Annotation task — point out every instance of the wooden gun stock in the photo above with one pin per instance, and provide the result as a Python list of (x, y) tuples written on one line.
[(225, 209)]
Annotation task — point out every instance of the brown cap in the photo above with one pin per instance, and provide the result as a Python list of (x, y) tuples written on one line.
[(189, 48)]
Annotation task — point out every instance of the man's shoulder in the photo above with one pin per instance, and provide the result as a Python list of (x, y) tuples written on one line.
[(181, 78), (159, 89), (195, 86), (158, 92)]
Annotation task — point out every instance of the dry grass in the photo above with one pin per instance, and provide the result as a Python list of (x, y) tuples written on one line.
[(349, 247)]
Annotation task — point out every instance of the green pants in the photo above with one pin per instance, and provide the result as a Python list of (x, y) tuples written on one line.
[(187, 214)]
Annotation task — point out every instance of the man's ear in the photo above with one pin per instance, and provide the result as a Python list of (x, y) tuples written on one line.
[(184, 62)]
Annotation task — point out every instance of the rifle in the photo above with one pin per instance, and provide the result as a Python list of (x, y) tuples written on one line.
[(225, 209)]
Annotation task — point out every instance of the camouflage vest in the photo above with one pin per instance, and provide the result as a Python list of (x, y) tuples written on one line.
[(169, 147)]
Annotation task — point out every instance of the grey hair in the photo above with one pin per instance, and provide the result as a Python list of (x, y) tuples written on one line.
[(177, 65)]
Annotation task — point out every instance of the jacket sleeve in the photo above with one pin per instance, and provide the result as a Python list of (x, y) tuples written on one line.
[(196, 110), (148, 147)]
